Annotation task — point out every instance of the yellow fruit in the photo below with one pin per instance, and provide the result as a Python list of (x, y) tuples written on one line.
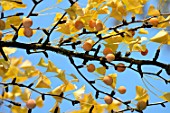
[(27, 22), (108, 99), (154, 21), (108, 80), (141, 105), (87, 46), (90, 68), (28, 32), (31, 104), (79, 24), (120, 67), (122, 89), (107, 50), (110, 57), (99, 26), (92, 23)]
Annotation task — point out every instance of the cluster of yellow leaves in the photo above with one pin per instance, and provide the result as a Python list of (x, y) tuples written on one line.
[(12, 4), (141, 94)]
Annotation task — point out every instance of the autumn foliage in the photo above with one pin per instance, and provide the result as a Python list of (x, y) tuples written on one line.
[(103, 40)]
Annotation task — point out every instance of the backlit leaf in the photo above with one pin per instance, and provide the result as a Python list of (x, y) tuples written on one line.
[(143, 31), (166, 96), (141, 94), (42, 63), (19, 109), (2, 24), (11, 73), (57, 91), (43, 82), (152, 11), (7, 5), (114, 77), (39, 102), (25, 95), (78, 93), (101, 70), (160, 37), (53, 110), (15, 20)]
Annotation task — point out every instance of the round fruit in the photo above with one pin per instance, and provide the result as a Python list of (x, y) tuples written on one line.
[(108, 80), (110, 57), (122, 89), (99, 26), (107, 50), (108, 99), (31, 104), (154, 21), (120, 67), (87, 46), (144, 53), (90, 68), (27, 22), (141, 105), (79, 24), (92, 23), (28, 32), (1, 34)]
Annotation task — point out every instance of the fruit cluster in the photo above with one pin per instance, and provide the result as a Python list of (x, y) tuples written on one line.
[(27, 23)]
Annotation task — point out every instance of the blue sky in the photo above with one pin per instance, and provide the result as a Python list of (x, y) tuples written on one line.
[(129, 78)]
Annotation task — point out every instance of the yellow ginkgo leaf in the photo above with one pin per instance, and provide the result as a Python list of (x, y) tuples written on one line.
[(142, 31), (5, 64), (61, 76), (8, 5), (57, 91), (115, 105), (64, 28), (55, 109), (43, 82), (19, 109), (15, 20), (39, 102), (8, 50), (78, 93), (101, 70), (75, 78), (26, 64), (51, 67), (103, 10), (25, 95), (21, 32), (166, 96), (114, 77), (70, 86), (16, 90), (42, 63), (141, 94), (134, 6), (152, 11), (115, 14), (160, 37), (7, 37), (11, 73), (2, 24)]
